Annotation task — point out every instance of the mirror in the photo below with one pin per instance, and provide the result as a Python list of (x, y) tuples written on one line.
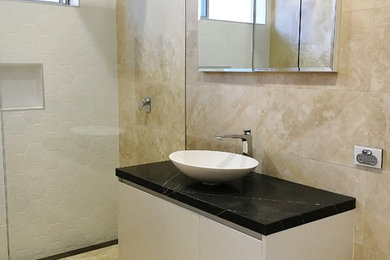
[(276, 41), (225, 35), (267, 35), (319, 25)]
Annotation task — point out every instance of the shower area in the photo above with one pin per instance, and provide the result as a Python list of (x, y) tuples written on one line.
[(71, 79)]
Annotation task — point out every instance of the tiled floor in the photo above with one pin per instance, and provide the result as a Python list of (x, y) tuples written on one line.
[(107, 253)]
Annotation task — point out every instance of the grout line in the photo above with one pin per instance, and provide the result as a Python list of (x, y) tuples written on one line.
[(286, 86), (289, 87), (328, 88)]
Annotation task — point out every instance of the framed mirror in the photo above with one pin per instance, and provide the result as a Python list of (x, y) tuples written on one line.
[(268, 35)]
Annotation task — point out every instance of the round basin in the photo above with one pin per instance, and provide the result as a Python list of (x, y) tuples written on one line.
[(213, 166)]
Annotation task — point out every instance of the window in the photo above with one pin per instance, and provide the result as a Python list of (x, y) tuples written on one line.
[(60, 2), (233, 10), (261, 11)]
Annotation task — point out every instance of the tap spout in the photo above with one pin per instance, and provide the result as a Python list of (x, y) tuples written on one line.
[(233, 136), (246, 139)]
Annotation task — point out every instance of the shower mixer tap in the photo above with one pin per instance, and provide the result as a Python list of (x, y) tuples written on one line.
[(146, 104)]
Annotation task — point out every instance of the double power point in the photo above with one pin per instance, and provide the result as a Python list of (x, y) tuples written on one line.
[(368, 156)]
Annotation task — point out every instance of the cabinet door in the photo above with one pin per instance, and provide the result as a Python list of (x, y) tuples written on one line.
[(176, 232), (329, 238), (151, 228), (135, 224), (219, 242)]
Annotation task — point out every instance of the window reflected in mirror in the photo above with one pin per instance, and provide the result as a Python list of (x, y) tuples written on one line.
[(261, 12), (231, 10), (59, 2)]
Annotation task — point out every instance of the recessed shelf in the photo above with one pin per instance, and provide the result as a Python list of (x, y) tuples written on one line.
[(21, 86)]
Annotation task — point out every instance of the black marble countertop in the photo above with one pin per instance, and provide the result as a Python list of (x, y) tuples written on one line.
[(258, 202)]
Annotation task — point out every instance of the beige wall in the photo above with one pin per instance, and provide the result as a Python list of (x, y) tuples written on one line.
[(60, 160), (151, 62), (305, 125)]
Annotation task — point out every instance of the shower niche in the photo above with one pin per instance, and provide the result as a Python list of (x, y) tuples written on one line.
[(21, 86)]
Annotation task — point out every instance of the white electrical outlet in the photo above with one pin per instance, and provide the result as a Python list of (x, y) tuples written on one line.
[(368, 156)]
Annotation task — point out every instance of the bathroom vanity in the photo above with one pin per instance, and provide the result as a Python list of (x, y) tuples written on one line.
[(163, 214)]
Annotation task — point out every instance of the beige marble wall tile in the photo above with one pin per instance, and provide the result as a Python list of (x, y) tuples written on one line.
[(297, 80), (362, 4), (207, 116), (372, 254), (339, 119), (151, 57), (358, 252), (306, 124), (382, 3), (381, 65), (356, 50), (367, 253), (346, 5), (377, 225), (354, 5)]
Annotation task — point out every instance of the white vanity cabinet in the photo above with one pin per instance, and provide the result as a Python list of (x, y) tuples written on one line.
[(152, 228), (218, 241)]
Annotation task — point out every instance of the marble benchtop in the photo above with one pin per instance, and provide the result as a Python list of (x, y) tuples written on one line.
[(258, 202)]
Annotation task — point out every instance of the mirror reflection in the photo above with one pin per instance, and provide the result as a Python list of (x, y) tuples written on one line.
[(225, 35), (267, 35), (317, 35), (276, 41)]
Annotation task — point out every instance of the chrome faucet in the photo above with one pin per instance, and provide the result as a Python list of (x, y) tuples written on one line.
[(146, 104), (246, 139)]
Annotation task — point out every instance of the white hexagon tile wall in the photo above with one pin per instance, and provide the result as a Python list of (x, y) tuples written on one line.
[(60, 161)]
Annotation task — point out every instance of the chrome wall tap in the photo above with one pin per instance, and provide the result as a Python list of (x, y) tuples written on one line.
[(146, 104), (246, 139)]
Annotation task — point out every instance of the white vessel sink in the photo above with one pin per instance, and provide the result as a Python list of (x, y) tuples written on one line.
[(213, 166)]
